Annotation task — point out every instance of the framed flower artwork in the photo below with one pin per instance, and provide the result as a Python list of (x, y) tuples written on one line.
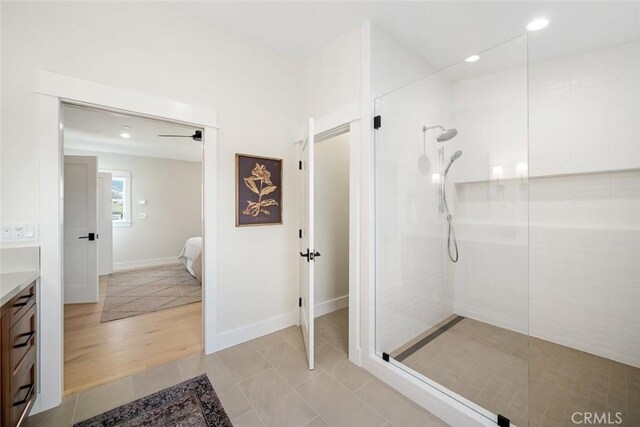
[(258, 190)]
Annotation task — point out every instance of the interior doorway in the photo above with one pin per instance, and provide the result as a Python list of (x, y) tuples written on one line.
[(133, 244), (328, 242), (331, 207)]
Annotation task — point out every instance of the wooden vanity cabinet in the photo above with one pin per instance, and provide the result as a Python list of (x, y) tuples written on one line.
[(18, 357)]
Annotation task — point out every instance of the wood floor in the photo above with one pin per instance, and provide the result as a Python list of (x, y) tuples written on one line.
[(97, 353)]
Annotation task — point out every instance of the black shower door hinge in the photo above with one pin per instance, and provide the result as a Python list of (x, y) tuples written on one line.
[(300, 164), (300, 233), (299, 302), (503, 421), (385, 357), (377, 122)]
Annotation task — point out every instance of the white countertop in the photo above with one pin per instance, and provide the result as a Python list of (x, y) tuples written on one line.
[(12, 283)]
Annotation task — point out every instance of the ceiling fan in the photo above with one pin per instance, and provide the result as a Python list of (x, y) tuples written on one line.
[(197, 136)]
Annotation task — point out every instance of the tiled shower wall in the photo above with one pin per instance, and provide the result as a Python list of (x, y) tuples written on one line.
[(579, 245), (585, 263)]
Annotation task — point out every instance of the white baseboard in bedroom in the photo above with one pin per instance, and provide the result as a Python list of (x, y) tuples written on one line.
[(153, 262), (332, 305)]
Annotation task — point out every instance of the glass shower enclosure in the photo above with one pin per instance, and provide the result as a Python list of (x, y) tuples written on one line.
[(507, 242)]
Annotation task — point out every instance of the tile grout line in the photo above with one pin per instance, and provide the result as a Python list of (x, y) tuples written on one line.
[(237, 383), (289, 385), (359, 387), (297, 393)]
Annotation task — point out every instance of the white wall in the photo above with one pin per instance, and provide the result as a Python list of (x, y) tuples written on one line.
[(173, 191), (155, 49), (393, 65), (332, 220), (331, 77)]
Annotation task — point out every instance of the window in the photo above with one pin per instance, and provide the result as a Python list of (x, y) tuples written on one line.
[(120, 197)]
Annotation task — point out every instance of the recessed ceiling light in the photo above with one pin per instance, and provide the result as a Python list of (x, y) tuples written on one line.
[(125, 132), (472, 58), (537, 24)]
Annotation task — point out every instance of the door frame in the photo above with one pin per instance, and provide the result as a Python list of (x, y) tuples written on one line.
[(101, 232), (54, 90), (343, 120)]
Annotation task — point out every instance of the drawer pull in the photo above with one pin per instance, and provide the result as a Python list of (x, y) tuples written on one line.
[(26, 396), (26, 342), (26, 301)]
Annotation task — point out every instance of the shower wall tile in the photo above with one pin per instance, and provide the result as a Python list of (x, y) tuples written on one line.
[(558, 256), (584, 112), (411, 292), (585, 269)]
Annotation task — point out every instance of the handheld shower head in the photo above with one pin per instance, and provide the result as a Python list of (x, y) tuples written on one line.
[(453, 158)]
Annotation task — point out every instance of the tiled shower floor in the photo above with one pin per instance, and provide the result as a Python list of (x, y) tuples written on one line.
[(505, 372)]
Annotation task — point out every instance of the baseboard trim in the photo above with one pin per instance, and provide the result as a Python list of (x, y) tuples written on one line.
[(273, 324), (331, 305), (153, 262), (254, 330)]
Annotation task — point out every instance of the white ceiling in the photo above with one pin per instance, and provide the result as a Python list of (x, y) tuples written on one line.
[(99, 131), (442, 32)]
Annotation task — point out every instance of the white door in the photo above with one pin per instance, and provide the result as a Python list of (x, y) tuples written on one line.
[(105, 225), (307, 250), (80, 229)]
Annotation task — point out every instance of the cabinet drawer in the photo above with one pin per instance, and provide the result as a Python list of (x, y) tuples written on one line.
[(22, 339), (23, 392), (21, 303)]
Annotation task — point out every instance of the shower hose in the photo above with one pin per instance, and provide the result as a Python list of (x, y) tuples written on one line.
[(451, 237)]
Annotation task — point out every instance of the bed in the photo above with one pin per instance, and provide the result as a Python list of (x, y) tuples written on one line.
[(191, 257)]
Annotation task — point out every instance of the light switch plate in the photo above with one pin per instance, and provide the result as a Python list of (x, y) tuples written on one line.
[(19, 232)]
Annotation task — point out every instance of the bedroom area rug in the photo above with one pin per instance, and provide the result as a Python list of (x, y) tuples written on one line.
[(191, 403), (136, 292)]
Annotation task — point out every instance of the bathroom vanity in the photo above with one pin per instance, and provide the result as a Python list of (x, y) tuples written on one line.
[(18, 346)]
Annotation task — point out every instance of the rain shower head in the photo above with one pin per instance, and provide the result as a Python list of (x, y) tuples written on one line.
[(453, 158), (447, 134)]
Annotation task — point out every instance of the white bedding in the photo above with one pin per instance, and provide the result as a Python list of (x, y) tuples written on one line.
[(190, 251)]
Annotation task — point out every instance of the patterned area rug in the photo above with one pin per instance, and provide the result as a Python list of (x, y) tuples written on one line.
[(131, 293), (189, 404)]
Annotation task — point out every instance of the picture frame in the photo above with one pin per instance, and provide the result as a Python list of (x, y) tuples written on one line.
[(258, 190)]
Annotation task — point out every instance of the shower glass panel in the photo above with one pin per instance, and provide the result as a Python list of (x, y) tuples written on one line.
[(451, 233)]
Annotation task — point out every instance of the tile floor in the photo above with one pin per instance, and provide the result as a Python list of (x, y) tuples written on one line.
[(265, 382), (531, 381)]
